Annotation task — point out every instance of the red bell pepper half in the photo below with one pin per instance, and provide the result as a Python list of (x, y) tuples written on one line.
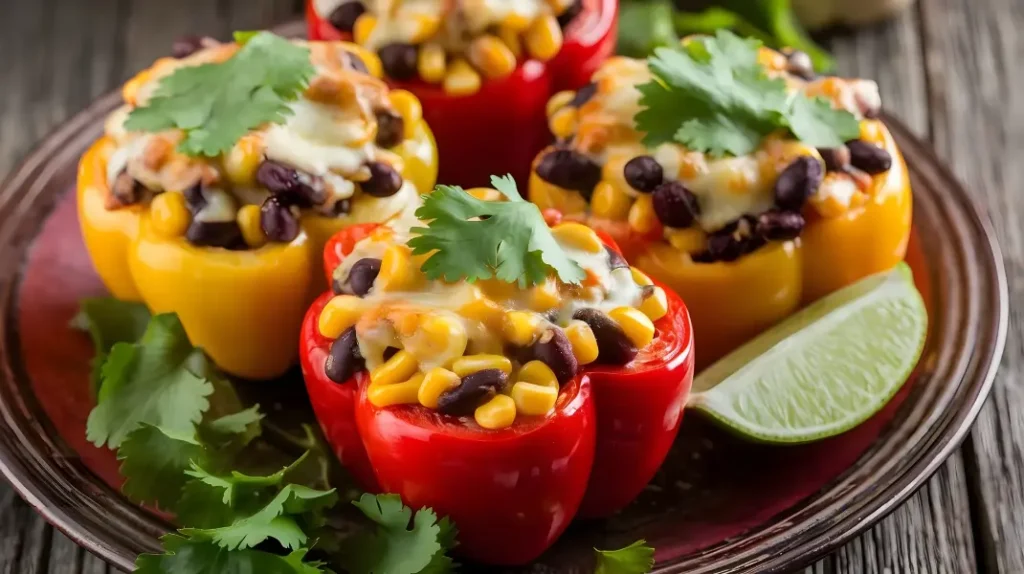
[(501, 128), (511, 492)]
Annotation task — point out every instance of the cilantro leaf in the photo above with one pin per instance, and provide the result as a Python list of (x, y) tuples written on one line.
[(401, 543), (216, 104), (109, 321), (473, 239), (236, 429), (637, 558), (154, 465), (713, 96), (441, 563), (185, 556), (150, 382)]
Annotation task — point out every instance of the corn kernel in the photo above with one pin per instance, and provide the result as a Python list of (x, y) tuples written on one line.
[(363, 28), (642, 218), (520, 327), (516, 21), (404, 393), (435, 384), (545, 296), (396, 270), (655, 305), (340, 313), (169, 214), (610, 203), (637, 326), (249, 222), (534, 400), (486, 311), (564, 122), (492, 57), (689, 240), (640, 277), (437, 339), (544, 38), (461, 79), (409, 107), (241, 162), (485, 193), (465, 366), (578, 236), (497, 413), (614, 172), (559, 101), (771, 59), (538, 373), (424, 26), (432, 63), (584, 344), (511, 39), (398, 368)]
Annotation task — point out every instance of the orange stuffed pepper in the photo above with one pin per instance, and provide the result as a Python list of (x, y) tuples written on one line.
[(230, 240), (744, 238)]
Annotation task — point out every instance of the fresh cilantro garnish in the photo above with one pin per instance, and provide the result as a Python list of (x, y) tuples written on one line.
[(713, 96), (216, 104), (153, 464), (637, 558), (109, 321), (401, 543), (186, 556), (473, 239)]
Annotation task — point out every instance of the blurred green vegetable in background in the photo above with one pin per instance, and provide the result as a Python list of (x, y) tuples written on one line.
[(647, 24)]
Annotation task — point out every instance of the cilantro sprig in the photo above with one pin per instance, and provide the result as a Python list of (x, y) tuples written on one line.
[(473, 239), (637, 558), (216, 104), (713, 96)]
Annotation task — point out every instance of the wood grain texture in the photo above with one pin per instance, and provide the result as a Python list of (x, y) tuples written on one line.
[(949, 69)]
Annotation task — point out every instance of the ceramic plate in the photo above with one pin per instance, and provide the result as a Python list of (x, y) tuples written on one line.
[(718, 504)]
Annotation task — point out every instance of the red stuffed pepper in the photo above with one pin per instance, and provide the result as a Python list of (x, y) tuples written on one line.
[(484, 71), (509, 409)]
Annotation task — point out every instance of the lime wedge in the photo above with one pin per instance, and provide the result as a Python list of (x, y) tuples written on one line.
[(825, 369)]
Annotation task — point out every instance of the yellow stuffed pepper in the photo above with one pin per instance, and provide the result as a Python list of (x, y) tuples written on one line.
[(685, 161), (217, 184)]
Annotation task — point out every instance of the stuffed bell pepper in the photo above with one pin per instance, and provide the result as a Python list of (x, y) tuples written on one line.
[(484, 70), (216, 185), (733, 174), (508, 375)]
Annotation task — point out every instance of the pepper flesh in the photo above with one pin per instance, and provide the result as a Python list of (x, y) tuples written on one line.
[(243, 307), (730, 302), (565, 460), (501, 127)]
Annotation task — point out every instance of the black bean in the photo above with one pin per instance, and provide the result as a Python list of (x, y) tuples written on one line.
[(353, 61), (583, 95), (126, 190), (399, 61), (800, 64), (570, 13), (390, 128), (362, 275), (643, 173), (342, 207), (798, 182), (294, 188), (615, 259), (465, 398), (224, 234), (570, 169), (836, 158), (732, 241), (195, 199), (344, 359), (344, 17), (384, 180), (278, 222), (554, 349), (868, 157), (390, 352), (779, 225), (675, 205), (613, 346), (185, 46)]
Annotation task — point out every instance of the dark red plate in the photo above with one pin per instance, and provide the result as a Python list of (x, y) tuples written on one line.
[(718, 504)]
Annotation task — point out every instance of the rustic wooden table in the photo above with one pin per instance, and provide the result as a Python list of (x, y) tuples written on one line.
[(949, 68)]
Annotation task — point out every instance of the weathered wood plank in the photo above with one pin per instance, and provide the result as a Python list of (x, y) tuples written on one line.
[(976, 89)]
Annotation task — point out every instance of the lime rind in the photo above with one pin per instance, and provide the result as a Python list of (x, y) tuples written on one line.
[(825, 369)]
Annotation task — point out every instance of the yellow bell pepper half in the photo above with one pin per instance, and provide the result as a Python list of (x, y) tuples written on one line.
[(730, 302), (244, 308)]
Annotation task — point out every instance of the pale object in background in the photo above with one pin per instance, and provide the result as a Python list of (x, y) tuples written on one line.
[(816, 14)]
